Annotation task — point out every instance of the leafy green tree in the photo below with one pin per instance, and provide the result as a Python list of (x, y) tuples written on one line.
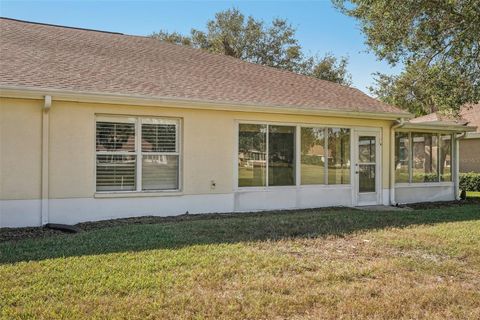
[(174, 37), (423, 89), (328, 68), (440, 38), (249, 39)]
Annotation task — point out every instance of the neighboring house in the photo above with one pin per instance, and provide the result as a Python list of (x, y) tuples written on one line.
[(98, 125), (469, 151)]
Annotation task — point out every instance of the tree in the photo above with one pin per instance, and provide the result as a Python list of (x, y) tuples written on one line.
[(249, 39), (174, 37), (329, 68), (423, 89), (441, 38)]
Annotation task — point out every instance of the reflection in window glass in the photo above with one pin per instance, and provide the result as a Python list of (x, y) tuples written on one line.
[(425, 151), (159, 137), (366, 178), (402, 154), (252, 150), (112, 136), (160, 172), (366, 159), (366, 149), (338, 156), (445, 158), (115, 172), (313, 156), (281, 155)]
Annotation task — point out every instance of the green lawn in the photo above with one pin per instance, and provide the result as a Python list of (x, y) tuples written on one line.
[(312, 264)]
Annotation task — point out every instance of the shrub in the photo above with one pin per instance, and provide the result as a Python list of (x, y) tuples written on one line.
[(425, 177), (470, 181)]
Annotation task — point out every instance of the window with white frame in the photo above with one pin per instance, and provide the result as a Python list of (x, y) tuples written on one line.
[(422, 157), (267, 155), (325, 155), (137, 154)]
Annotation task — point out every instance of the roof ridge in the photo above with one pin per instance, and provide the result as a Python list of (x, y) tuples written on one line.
[(60, 26)]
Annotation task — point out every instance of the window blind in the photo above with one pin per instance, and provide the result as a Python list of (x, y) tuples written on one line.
[(126, 162), (115, 136), (160, 158), (160, 172), (116, 172), (159, 137)]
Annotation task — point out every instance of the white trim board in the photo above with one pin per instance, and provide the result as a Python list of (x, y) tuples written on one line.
[(414, 194), (23, 213), (370, 198), (142, 100), (26, 213)]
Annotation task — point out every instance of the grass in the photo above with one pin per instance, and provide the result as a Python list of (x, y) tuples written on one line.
[(311, 174), (310, 264)]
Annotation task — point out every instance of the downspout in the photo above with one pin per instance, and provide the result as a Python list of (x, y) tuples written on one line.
[(456, 175), (45, 155), (392, 159)]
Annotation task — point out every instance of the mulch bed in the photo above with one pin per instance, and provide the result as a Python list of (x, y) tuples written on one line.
[(14, 234), (443, 204)]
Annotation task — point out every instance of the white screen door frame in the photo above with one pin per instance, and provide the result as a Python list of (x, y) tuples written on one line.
[(367, 167)]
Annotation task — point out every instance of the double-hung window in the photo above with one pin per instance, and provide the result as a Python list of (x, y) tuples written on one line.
[(137, 154)]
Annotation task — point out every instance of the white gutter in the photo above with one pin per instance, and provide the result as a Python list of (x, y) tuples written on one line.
[(425, 126), (400, 124), (45, 157), (472, 135), (142, 100)]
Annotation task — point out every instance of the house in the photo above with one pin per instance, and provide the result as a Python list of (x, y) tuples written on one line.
[(98, 125), (469, 148)]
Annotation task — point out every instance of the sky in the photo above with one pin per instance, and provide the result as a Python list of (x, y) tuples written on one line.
[(320, 27)]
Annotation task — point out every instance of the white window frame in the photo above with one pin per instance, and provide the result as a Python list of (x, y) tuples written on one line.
[(138, 153), (297, 149)]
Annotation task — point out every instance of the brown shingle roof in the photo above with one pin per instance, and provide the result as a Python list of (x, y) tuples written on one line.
[(469, 115), (53, 57)]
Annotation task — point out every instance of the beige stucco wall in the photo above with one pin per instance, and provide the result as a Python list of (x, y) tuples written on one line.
[(209, 140), (470, 155), (20, 149)]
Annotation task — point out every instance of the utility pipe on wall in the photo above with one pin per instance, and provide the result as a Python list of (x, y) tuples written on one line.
[(45, 155)]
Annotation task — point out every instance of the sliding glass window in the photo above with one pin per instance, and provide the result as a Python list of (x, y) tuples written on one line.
[(402, 157), (313, 156), (281, 155), (422, 157), (425, 157), (267, 155), (445, 158), (252, 153), (338, 156)]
